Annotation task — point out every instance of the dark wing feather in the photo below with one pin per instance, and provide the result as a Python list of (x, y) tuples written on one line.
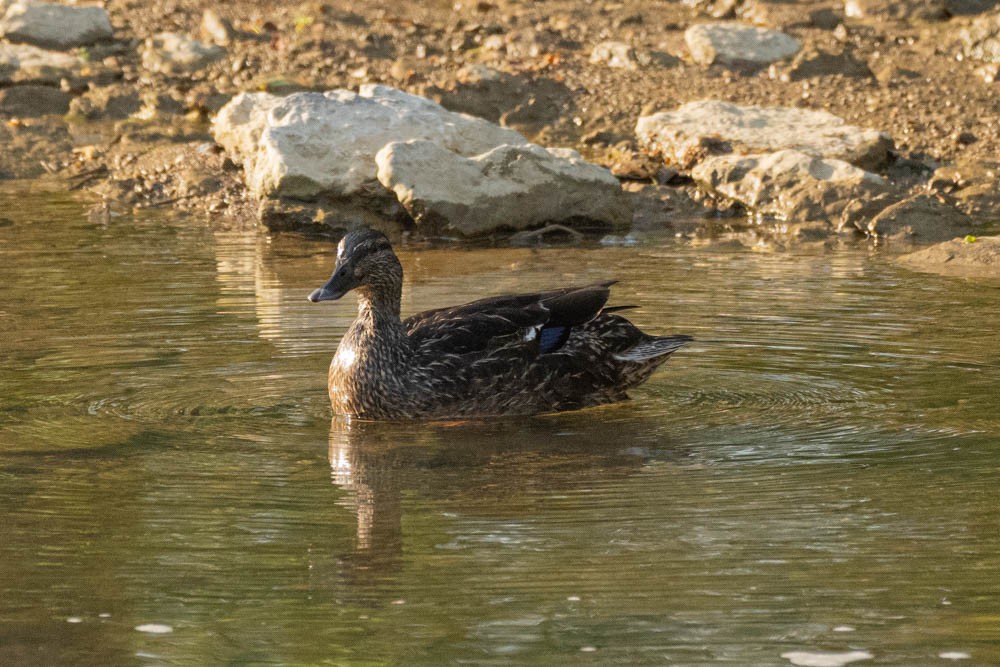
[(483, 324), (575, 306)]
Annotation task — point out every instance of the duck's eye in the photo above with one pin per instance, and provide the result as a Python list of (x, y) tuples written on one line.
[(343, 272)]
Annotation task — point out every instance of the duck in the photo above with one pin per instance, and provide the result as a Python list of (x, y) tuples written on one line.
[(509, 355)]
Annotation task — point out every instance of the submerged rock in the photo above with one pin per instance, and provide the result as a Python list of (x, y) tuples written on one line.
[(739, 45), (699, 129), (970, 257), (789, 185), (54, 26), (508, 187), (311, 144), (174, 53)]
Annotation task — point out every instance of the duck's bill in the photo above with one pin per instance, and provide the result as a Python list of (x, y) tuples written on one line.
[(324, 293)]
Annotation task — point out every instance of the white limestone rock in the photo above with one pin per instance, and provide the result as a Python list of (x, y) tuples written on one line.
[(739, 45), (710, 127), (509, 187), (23, 63), (310, 144), (54, 26), (174, 53), (788, 185)]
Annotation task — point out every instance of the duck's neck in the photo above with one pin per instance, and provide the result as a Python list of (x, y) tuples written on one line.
[(378, 303), (378, 311)]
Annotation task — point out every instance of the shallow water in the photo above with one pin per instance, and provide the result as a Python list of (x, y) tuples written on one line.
[(815, 478)]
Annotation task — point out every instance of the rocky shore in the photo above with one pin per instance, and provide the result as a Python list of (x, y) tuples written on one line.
[(768, 124)]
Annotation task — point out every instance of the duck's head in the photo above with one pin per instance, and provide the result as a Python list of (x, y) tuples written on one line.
[(365, 262)]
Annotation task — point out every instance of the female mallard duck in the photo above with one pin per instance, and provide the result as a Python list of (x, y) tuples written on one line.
[(505, 355)]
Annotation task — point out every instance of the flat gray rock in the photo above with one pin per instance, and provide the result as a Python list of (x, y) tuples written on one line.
[(509, 187), (969, 257), (54, 26), (711, 127), (788, 185), (735, 44), (174, 53), (309, 144)]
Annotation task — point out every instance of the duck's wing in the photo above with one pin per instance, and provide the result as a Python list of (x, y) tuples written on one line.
[(541, 321)]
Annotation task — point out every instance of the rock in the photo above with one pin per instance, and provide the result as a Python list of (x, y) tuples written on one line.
[(488, 93), (659, 207), (615, 54), (116, 102), (971, 257), (698, 129), (311, 144), (812, 63), (509, 187), (215, 29), (622, 56), (825, 18), (737, 45), (961, 7), (717, 9), (890, 74), (156, 103), (973, 184), (924, 10), (55, 26), (635, 166), (789, 185), (33, 100), (922, 218), (989, 72), (981, 40), (23, 63), (174, 53)]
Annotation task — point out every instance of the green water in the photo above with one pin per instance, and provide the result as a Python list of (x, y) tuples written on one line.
[(817, 473)]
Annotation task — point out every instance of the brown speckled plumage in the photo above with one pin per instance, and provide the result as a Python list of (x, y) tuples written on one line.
[(507, 355)]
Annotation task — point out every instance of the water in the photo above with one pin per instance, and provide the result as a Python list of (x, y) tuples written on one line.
[(815, 478)]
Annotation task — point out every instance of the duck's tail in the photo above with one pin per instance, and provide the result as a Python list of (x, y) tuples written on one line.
[(652, 348)]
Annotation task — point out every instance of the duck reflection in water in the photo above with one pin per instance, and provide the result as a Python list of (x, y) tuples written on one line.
[(502, 469)]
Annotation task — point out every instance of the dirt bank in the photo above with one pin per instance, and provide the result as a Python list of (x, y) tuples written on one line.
[(139, 133)]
